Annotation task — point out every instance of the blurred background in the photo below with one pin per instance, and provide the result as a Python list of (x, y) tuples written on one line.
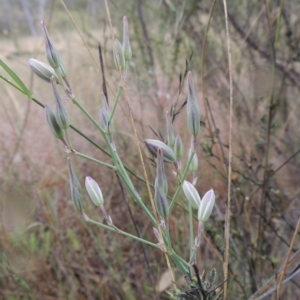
[(46, 249)]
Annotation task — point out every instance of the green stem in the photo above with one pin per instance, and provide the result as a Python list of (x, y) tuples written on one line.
[(115, 229), (192, 238), (181, 181), (95, 160), (68, 140), (115, 103)]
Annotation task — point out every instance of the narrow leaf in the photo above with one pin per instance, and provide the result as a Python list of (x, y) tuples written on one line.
[(17, 79)]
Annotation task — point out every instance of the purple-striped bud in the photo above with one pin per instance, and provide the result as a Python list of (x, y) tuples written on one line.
[(126, 43), (104, 114), (178, 148), (42, 70), (51, 53), (76, 191), (193, 111), (94, 191), (161, 178), (191, 194), (206, 206), (170, 131), (161, 203), (194, 163), (51, 120), (61, 114), (119, 58), (154, 145)]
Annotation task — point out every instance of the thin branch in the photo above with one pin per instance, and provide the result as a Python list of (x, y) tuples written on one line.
[(228, 212), (287, 260)]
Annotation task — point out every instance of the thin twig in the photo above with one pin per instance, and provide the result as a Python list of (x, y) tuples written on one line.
[(202, 65), (103, 72), (228, 212), (287, 260)]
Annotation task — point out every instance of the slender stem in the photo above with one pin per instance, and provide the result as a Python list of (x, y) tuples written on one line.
[(181, 181), (95, 160), (287, 260), (192, 238), (228, 212), (115, 229), (130, 186), (115, 103), (68, 140)]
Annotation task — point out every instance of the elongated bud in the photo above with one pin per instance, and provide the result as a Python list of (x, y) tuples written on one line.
[(51, 53), (193, 111), (62, 69), (119, 58), (154, 145), (191, 194), (170, 131), (42, 70), (178, 148), (161, 203), (199, 233), (161, 179), (194, 163), (94, 191), (104, 114), (61, 114), (51, 120), (76, 191), (126, 43), (206, 206)]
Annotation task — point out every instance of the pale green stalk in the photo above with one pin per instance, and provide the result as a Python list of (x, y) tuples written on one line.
[(192, 238), (117, 230), (95, 160), (115, 103), (180, 183)]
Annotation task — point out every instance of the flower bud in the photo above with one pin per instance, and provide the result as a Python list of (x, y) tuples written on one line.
[(161, 203), (154, 145), (194, 163), (191, 194), (206, 206), (75, 188), (62, 69), (42, 70), (193, 111), (126, 43), (104, 114), (178, 148), (119, 58), (170, 131), (51, 120), (61, 114), (51, 53), (94, 191), (161, 179)]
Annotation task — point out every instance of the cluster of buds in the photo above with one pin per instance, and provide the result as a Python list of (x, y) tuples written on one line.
[(204, 206), (56, 66), (55, 73)]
